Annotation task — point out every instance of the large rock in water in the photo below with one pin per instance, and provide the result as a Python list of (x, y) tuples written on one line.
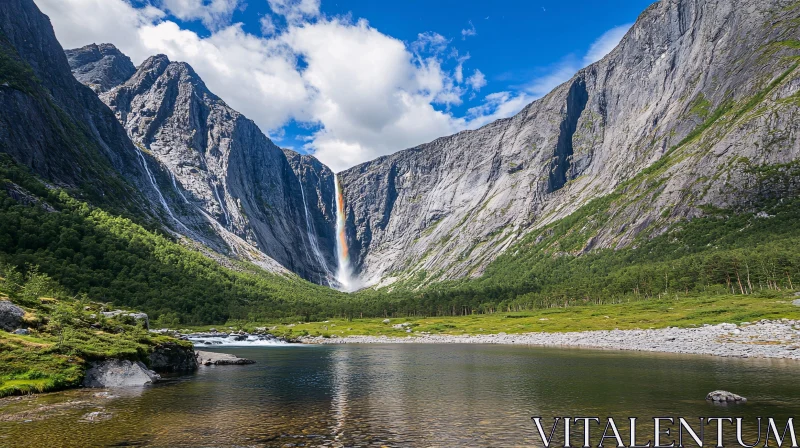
[(119, 373), (172, 357), (220, 359), (723, 396), (10, 316)]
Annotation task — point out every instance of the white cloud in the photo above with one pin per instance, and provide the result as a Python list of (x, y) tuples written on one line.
[(267, 26), (430, 41), (365, 93), (114, 21), (214, 14), (295, 11), (496, 106), (391, 106), (477, 80), (468, 32), (566, 69), (605, 43)]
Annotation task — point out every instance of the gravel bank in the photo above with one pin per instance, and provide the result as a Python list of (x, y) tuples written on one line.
[(763, 339)]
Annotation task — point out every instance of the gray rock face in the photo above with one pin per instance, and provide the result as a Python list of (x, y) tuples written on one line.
[(10, 316), (119, 373), (223, 167), (58, 127), (450, 206), (100, 67), (173, 358)]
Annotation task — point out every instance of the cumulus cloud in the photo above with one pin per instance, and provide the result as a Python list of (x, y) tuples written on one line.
[(477, 80), (361, 93), (295, 11), (213, 13), (267, 26)]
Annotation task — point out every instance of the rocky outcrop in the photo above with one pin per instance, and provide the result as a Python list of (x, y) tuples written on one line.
[(220, 359), (223, 168), (119, 373), (10, 316), (173, 358), (100, 67), (701, 92)]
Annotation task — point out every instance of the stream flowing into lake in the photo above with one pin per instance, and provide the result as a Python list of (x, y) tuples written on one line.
[(399, 395)]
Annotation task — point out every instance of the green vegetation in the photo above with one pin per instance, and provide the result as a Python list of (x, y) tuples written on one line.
[(113, 259), (642, 314), (66, 333)]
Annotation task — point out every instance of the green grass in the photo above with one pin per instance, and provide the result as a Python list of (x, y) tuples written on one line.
[(66, 333), (643, 314)]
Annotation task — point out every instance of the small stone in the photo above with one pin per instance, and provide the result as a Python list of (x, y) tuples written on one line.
[(22, 331), (796, 302), (386, 321), (97, 416)]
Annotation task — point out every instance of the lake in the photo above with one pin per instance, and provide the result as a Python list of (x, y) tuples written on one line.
[(402, 395)]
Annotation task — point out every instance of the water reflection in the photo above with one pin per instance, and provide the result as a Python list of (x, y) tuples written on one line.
[(402, 395)]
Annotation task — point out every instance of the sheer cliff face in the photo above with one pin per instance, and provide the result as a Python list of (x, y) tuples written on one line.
[(100, 67), (708, 89), (58, 127), (221, 163)]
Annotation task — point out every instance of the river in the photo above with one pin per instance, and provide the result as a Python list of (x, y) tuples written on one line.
[(402, 395)]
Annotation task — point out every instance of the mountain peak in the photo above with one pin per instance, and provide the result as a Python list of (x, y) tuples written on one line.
[(101, 67)]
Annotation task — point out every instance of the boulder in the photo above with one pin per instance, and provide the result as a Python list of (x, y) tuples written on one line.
[(22, 331), (172, 358), (10, 316), (119, 373), (220, 359), (796, 302), (723, 396)]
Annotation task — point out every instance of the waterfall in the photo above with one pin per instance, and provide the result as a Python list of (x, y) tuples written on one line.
[(158, 191), (312, 235), (175, 186), (344, 272), (222, 206)]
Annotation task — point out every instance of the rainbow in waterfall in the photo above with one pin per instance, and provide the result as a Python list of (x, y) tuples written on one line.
[(344, 273)]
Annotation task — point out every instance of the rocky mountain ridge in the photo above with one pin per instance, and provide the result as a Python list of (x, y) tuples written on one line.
[(696, 96), (226, 183)]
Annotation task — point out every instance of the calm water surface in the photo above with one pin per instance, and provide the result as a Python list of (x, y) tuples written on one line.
[(401, 395)]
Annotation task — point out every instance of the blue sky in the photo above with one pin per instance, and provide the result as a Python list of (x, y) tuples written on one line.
[(352, 80)]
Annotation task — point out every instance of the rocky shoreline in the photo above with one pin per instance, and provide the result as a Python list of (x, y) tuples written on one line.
[(762, 339)]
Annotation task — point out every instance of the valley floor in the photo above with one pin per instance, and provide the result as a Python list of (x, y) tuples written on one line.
[(732, 325), (763, 339)]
